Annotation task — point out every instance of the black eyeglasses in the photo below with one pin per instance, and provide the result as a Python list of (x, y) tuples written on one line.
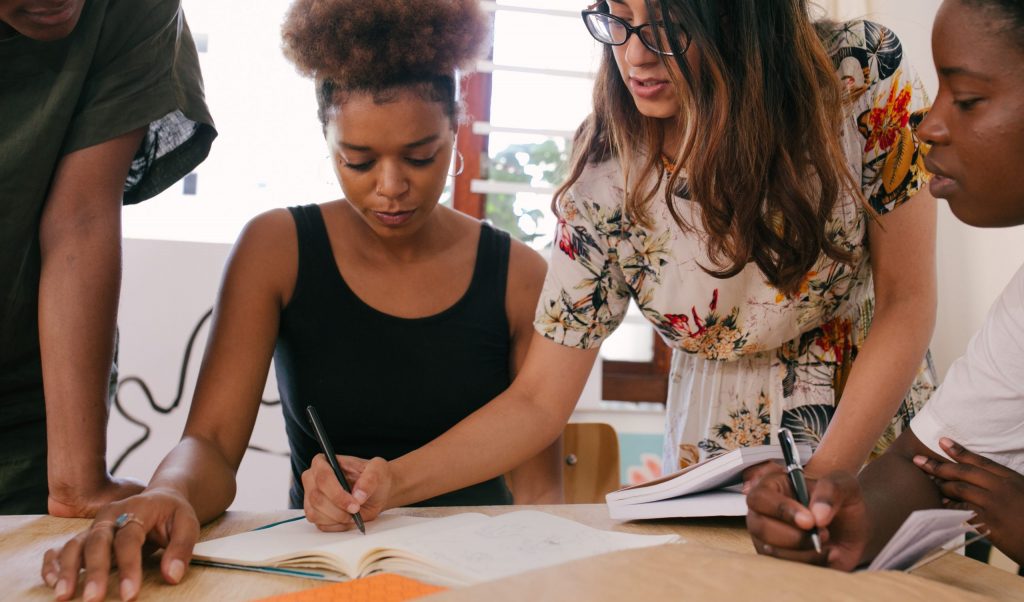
[(615, 31)]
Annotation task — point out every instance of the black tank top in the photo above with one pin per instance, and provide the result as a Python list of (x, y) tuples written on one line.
[(385, 385)]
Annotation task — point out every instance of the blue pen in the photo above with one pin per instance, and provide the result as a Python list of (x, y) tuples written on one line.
[(796, 477)]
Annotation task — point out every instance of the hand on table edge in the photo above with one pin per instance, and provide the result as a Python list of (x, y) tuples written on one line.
[(162, 518)]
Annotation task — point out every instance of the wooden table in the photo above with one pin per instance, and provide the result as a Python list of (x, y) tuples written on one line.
[(715, 563)]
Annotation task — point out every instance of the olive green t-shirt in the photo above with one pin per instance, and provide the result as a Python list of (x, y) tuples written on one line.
[(128, 64)]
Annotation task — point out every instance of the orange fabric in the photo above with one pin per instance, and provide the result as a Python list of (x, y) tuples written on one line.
[(383, 587)]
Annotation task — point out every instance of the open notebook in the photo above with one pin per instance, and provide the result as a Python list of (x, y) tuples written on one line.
[(710, 488), (456, 550)]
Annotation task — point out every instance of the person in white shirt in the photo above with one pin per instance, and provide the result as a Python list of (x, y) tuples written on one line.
[(965, 449)]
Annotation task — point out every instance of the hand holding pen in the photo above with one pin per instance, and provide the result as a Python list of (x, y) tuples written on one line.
[(328, 449), (795, 470)]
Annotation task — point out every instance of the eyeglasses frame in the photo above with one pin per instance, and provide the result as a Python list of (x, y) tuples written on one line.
[(630, 30)]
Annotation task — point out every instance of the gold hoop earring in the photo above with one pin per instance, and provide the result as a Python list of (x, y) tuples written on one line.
[(461, 162)]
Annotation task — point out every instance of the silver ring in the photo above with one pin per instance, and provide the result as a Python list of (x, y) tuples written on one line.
[(125, 518)]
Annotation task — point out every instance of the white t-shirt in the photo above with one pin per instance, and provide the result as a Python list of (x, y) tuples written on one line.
[(980, 405)]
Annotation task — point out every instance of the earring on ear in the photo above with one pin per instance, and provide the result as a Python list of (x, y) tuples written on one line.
[(461, 162)]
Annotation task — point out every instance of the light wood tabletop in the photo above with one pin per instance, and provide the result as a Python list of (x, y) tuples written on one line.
[(715, 562)]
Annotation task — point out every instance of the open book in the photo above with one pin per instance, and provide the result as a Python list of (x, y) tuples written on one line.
[(710, 488), (923, 537), (461, 549)]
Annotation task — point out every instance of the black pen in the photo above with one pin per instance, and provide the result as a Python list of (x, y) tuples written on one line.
[(796, 477), (325, 444)]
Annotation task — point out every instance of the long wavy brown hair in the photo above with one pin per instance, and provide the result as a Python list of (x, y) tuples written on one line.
[(761, 148)]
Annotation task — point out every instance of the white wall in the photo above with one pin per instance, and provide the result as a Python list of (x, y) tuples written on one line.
[(166, 289)]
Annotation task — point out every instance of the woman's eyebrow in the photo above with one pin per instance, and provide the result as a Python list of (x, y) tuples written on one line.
[(959, 71), (423, 141), (365, 149)]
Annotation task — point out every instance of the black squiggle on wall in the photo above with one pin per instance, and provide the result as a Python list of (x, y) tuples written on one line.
[(175, 403)]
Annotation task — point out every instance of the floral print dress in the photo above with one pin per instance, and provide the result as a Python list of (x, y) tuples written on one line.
[(747, 359)]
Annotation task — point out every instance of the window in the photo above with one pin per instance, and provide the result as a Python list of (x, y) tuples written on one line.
[(524, 105)]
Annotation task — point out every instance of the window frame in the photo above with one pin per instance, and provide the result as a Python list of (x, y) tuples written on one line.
[(620, 380)]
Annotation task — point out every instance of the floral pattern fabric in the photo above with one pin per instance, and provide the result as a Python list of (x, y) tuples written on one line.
[(746, 358)]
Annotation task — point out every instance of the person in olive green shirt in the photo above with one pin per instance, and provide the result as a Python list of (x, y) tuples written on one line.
[(101, 103)]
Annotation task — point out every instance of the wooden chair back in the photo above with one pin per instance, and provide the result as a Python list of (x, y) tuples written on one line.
[(591, 462)]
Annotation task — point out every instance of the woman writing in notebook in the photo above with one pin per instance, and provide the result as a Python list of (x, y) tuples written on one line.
[(751, 181), (393, 315), (976, 418)]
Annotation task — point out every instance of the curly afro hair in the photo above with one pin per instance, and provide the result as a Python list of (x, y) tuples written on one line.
[(380, 45)]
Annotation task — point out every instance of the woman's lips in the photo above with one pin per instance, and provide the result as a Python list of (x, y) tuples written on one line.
[(941, 185), (393, 218), (52, 15), (647, 88)]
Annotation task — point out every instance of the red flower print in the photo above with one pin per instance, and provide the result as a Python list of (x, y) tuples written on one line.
[(714, 300), (678, 322), (565, 240), (697, 322), (885, 122), (835, 337)]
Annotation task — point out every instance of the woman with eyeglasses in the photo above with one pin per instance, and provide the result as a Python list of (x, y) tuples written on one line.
[(751, 180)]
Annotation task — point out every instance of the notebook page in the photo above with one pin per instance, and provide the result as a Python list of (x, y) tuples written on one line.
[(266, 547), (516, 542), (921, 533)]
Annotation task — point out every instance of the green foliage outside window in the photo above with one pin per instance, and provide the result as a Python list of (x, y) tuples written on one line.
[(538, 164)]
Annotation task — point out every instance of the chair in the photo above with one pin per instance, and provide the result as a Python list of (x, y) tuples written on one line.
[(591, 469)]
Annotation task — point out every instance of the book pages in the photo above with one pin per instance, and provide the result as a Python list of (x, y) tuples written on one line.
[(454, 550), (720, 502), (714, 473), (924, 531), (516, 542)]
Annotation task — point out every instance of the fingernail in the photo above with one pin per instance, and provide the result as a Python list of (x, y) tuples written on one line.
[(746, 487), (920, 460), (352, 508), (91, 591), (62, 588), (820, 509), (128, 589), (360, 496), (50, 579), (177, 570)]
